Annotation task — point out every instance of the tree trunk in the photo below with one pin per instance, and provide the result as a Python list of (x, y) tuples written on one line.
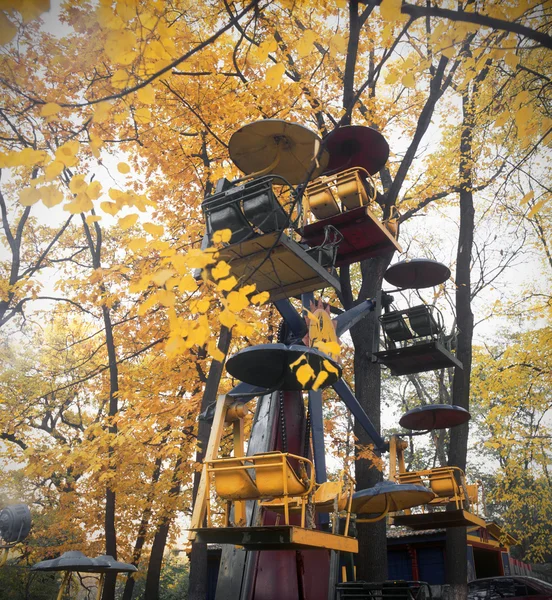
[(456, 544), (142, 531), (198, 557), (372, 556)]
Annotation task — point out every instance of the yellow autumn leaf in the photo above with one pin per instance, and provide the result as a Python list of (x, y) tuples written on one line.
[(101, 112), (237, 301), (392, 77), (200, 306), (196, 259), (154, 230), (502, 118), (408, 80), (221, 270), (137, 244), (146, 95), (67, 153), (523, 115), (128, 221), (265, 48), (306, 43), (304, 374), (274, 75), (50, 109), (536, 208), (120, 79), (92, 219), (51, 195), (110, 208), (511, 60), (338, 44), (175, 345), (225, 285), (260, 298), (119, 46), (7, 30), (390, 10), (123, 168), (29, 196), (222, 236), (166, 298), (52, 170), (77, 184), (449, 52), (214, 351), (142, 115), (529, 196), (227, 319), (94, 190), (160, 277), (187, 284)]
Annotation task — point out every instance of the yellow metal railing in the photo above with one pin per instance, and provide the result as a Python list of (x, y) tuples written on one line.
[(274, 477), (352, 188)]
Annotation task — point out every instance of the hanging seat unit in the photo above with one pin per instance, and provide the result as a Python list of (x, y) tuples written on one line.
[(280, 481), (344, 196), (364, 235), (415, 341), (449, 486)]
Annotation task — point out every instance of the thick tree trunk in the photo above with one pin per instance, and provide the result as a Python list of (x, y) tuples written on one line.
[(110, 497), (198, 557), (456, 544), (372, 556), (142, 531)]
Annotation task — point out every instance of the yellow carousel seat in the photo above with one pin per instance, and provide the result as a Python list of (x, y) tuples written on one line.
[(326, 498), (232, 479), (351, 189), (276, 477), (442, 482), (410, 477), (321, 199)]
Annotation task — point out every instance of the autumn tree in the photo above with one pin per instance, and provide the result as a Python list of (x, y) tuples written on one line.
[(125, 125)]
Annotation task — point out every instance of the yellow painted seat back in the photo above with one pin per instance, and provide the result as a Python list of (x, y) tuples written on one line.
[(327, 494), (232, 480), (412, 477), (272, 470), (324, 499), (350, 189), (443, 483), (473, 493), (322, 202)]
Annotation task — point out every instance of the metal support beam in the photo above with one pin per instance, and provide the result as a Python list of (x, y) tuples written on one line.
[(351, 317), (293, 319), (317, 428), (346, 394)]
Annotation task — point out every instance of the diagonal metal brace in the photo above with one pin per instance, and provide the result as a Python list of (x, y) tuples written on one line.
[(345, 393), (351, 317)]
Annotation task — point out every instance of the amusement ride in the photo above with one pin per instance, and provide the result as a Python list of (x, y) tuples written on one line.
[(303, 208)]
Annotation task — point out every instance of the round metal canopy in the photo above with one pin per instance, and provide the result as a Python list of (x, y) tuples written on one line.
[(275, 366), (74, 561), (356, 146), (277, 147), (417, 273), (388, 496), (15, 523), (434, 416), (115, 565)]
